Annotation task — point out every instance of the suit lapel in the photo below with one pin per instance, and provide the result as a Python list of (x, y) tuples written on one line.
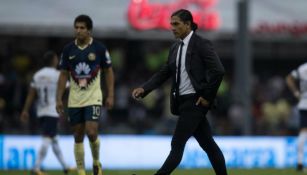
[(172, 61), (176, 50), (189, 52)]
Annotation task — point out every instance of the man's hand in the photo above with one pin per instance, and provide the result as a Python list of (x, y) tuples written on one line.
[(297, 94), (203, 102), (109, 103), (137, 93), (24, 116), (60, 107)]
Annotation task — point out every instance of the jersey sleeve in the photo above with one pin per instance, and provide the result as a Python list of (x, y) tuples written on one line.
[(32, 83), (106, 58), (295, 74), (63, 65)]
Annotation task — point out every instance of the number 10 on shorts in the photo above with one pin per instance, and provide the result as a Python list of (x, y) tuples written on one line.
[(96, 112)]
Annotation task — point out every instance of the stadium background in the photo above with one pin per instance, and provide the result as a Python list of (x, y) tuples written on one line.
[(136, 34)]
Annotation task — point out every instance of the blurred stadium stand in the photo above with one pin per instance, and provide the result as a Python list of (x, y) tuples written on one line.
[(278, 40)]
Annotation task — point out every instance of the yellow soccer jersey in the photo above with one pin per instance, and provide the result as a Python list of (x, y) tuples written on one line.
[(84, 66)]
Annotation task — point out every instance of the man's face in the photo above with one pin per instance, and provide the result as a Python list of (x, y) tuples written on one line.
[(55, 60), (179, 28), (81, 32)]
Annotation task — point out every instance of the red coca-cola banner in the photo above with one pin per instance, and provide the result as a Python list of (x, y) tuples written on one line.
[(296, 28), (143, 15)]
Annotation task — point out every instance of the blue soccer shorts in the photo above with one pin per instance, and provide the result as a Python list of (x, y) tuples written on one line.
[(83, 114)]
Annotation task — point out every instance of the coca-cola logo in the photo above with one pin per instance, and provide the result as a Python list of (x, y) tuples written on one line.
[(295, 29), (144, 15)]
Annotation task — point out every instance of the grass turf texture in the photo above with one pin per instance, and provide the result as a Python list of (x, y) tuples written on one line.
[(176, 172)]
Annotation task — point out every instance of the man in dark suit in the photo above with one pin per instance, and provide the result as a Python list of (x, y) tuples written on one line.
[(196, 73)]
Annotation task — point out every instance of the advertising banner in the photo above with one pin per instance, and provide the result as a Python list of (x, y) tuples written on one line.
[(126, 18), (149, 152)]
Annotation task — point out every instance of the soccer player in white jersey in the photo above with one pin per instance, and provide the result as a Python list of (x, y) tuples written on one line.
[(297, 83), (43, 89)]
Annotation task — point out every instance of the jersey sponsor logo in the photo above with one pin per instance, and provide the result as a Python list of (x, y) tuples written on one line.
[(71, 57), (83, 68), (91, 56), (85, 76)]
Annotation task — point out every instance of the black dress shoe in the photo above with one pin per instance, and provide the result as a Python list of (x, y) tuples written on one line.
[(299, 167)]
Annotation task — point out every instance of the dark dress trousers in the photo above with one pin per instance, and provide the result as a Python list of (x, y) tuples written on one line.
[(205, 71)]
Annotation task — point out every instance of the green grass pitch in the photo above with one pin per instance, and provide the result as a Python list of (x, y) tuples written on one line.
[(176, 172)]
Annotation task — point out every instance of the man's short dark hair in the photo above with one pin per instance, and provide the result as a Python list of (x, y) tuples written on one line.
[(48, 58), (86, 19), (185, 16)]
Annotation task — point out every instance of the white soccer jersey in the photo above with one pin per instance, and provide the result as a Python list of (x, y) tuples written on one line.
[(301, 75), (45, 82)]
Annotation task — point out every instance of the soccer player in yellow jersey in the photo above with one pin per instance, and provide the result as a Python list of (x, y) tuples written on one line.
[(83, 62)]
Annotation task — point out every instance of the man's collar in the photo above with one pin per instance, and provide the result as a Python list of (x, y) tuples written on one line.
[(187, 38), (86, 45)]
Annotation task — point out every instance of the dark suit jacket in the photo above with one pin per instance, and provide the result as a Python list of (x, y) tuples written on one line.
[(203, 66)]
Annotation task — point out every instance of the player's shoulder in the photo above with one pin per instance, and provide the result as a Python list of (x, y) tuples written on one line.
[(69, 45), (303, 67), (37, 73), (46, 72), (98, 44), (201, 40)]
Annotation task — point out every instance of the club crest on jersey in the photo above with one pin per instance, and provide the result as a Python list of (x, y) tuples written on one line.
[(91, 56)]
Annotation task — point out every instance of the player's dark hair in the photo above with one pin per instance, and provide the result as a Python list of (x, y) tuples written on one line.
[(185, 16), (86, 19), (48, 58)]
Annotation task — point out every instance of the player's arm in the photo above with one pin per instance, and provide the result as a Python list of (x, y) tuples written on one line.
[(29, 100), (109, 80), (62, 83), (291, 82)]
